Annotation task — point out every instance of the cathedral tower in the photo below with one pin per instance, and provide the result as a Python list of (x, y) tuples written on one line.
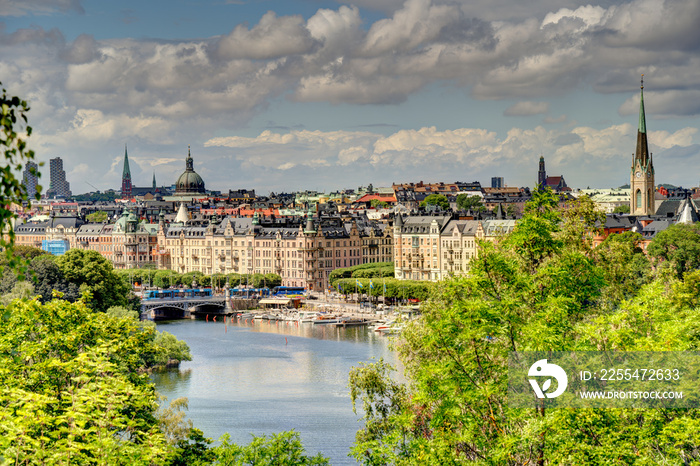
[(642, 174)]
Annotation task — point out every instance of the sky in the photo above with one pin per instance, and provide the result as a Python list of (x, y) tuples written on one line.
[(288, 95)]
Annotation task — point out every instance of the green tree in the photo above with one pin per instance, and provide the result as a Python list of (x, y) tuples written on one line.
[(28, 252), (47, 277), (171, 350), (186, 279), (538, 289), (377, 204), (284, 448), (467, 202), (678, 246), (75, 390), (193, 450), (21, 290), (120, 312), (97, 217), (438, 200), (90, 271), (272, 280), (165, 278), (622, 209), (14, 132), (624, 265)]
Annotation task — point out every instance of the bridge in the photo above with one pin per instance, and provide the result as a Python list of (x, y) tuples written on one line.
[(186, 308)]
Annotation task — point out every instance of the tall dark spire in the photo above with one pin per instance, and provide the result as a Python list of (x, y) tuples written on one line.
[(642, 185), (542, 174), (641, 154), (126, 176), (154, 180)]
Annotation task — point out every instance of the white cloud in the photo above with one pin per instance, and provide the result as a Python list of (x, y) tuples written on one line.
[(272, 37), (165, 94), (589, 15), (465, 153), (42, 7), (526, 108)]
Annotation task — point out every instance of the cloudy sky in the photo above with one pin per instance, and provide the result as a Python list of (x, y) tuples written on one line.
[(283, 95)]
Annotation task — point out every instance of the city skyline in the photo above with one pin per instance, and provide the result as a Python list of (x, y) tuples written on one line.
[(322, 95)]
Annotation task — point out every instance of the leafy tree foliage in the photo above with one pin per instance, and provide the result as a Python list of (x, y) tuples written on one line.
[(436, 199), (467, 202), (284, 448), (97, 197), (90, 271), (395, 289), (97, 217), (171, 350), (74, 387), (377, 204), (45, 275), (543, 287), (193, 450), (375, 269), (14, 132), (678, 246), (122, 312), (622, 209), (28, 252)]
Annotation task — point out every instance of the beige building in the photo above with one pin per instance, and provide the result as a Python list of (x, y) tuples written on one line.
[(132, 242), (302, 256), (433, 248)]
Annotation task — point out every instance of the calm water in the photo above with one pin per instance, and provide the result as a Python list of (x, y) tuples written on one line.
[(260, 378)]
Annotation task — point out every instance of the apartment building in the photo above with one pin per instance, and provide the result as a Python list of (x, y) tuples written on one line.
[(435, 247)]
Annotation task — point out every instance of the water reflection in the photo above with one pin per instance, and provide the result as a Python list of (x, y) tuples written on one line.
[(172, 378), (262, 377)]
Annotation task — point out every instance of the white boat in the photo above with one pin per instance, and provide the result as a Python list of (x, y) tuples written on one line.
[(327, 319), (306, 316), (392, 329)]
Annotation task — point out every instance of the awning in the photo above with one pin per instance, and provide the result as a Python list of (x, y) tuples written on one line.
[(283, 301)]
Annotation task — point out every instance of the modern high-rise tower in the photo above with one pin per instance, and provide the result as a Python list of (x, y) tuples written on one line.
[(642, 174), (58, 185), (126, 176), (30, 178)]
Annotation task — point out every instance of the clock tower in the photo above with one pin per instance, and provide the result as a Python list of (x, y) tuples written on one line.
[(642, 186)]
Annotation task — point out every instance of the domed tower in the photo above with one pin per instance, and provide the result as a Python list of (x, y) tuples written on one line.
[(189, 182)]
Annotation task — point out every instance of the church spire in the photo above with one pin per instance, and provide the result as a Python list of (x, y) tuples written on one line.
[(126, 173), (154, 180), (642, 186), (126, 176), (641, 155), (642, 118)]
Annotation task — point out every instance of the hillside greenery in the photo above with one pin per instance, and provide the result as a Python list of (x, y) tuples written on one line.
[(547, 287)]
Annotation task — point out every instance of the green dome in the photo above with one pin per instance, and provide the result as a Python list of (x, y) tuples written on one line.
[(189, 182)]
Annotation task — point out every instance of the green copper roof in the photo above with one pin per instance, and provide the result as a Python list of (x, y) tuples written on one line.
[(642, 119), (126, 173)]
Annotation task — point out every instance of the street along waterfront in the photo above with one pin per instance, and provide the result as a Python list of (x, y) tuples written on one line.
[(262, 377)]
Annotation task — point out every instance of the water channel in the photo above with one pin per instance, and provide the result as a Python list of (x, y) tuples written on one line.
[(261, 377)]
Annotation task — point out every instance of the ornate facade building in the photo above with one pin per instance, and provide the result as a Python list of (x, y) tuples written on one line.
[(132, 242), (433, 248), (642, 173), (302, 255)]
